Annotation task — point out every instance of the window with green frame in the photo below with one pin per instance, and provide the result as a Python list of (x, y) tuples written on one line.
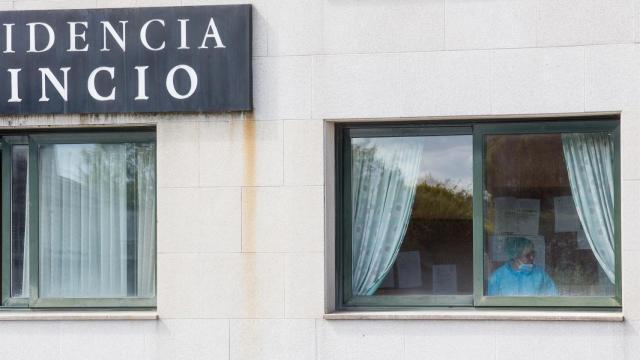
[(479, 214), (78, 219)]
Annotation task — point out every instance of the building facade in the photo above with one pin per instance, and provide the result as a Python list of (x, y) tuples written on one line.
[(246, 255)]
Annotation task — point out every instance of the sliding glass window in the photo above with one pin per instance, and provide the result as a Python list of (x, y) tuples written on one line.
[(478, 214), (79, 220)]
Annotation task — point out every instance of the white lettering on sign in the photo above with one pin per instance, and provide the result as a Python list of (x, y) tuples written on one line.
[(91, 84), (142, 83), (62, 89), (143, 35), (73, 35), (183, 34), (32, 37), (212, 32), (14, 85), (193, 78), (9, 38), (106, 26)]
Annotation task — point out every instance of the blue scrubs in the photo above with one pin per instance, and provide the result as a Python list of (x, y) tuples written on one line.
[(506, 281)]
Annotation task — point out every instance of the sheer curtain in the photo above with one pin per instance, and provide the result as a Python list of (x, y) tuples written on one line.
[(384, 178), (88, 219), (146, 216), (589, 159)]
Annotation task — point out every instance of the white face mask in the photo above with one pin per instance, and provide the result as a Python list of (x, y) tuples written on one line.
[(525, 268)]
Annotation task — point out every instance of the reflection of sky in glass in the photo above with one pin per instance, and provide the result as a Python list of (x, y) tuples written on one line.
[(448, 159), (71, 159), (445, 159), (396, 153)]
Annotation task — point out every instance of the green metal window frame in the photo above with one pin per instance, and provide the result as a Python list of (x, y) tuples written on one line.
[(34, 141), (478, 130)]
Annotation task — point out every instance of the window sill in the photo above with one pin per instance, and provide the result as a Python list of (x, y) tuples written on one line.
[(76, 315), (524, 315)]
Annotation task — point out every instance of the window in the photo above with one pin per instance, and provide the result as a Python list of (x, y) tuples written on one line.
[(78, 219), (479, 214)]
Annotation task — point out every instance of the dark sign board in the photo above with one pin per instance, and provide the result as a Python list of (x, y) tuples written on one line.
[(177, 59)]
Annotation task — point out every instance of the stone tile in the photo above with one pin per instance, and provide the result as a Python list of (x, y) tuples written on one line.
[(355, 340), (221, 285), (630, 288), (607, 341), (304, 285), (352, 26), (356, 86), (629, 145), (199, 220), (177, 152), (272, 339), (446, 83), (547, 80), (636, 21), (282, 219), (30, 340), (565, 342), (493, 24), (53, 4), (612, 80), (303, 152), (241, 153), (6, 5), (177, 339), (558, 340), (442, 340), (259, 19), (631, 338), (282, 87), (113, 340), (158, 2), (576, 22), (630, 197), (295, 27), (518, 337)]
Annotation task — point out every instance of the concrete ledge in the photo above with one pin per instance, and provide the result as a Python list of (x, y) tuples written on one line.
[(76, 315), (478, 315)]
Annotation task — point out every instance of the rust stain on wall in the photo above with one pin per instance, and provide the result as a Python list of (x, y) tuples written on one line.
[(249, 213)]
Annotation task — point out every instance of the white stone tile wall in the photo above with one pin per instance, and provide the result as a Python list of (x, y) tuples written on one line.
[(241, 205)]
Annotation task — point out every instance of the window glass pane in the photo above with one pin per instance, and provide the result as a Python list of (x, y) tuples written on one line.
[(97, 220), (549, 215), (411, 215), (19, 222)]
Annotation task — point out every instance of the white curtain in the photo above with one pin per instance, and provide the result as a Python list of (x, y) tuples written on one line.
[(25, 248), (84, 193), (384, 179), (589, 159), (146, 215)]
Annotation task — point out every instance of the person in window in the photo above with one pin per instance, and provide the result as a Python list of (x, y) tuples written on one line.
[(519, 276)]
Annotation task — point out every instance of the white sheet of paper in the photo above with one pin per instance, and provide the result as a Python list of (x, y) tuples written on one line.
[(528, 216), (504, 214), (409, 270), (445, 279), (516, 216), (566, 216)]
